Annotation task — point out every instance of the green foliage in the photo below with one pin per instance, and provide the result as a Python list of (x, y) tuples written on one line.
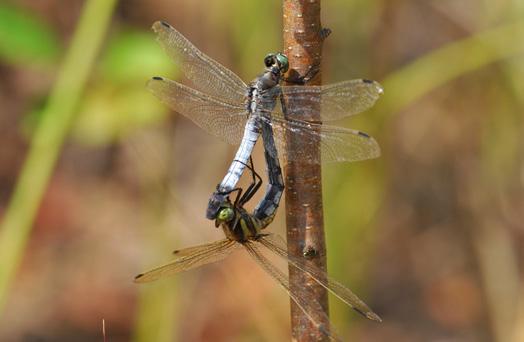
[(25, 38), (49, 137), (133, 56), (117, 102), (256, 34)]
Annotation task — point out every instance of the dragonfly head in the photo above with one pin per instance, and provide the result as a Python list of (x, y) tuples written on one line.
[(277, 62), (225, 214), (215, 204)]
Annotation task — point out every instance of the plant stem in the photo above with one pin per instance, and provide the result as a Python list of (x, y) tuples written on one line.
[(49, 137), (304, 213)]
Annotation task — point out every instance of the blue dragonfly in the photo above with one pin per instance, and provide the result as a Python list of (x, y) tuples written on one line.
[(223, 105)]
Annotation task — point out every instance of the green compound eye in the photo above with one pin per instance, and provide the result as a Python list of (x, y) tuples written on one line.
[(283, 61), (225, 215)]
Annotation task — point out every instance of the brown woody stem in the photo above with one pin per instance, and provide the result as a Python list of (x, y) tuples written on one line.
[(303, 38)]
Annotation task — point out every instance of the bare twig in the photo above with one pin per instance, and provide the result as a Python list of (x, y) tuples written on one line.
[(303, 36)]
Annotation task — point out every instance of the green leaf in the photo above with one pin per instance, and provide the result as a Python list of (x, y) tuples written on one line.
[(110, 113), (25, 38), (135, 56)]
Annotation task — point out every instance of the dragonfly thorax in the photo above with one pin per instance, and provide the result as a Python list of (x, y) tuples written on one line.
[(265, 89), (237, 223), (267, 80)]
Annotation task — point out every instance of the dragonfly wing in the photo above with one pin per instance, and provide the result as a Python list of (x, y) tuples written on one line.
[(207, 74), (337, 144), (277, 245), (222, 119), (191, 257), (307, 305), (335, 101)]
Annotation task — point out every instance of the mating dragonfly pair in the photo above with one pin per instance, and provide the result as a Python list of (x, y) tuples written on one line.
[(223, 105)]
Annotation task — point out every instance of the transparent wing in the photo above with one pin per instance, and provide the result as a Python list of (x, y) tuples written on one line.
[(206, 74), (278, 246), (337, 144), (307, 305), (219, 118), (191, 257), (335, 101), (194, 250)]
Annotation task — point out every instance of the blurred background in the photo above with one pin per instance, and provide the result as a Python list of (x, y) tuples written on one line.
[(430, 235)]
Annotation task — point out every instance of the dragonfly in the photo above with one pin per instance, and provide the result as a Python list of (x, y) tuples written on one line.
[(224, 106), (243, 229)]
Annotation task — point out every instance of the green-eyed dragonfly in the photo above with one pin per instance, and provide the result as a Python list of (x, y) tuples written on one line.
[(244, 229), (223, 105)]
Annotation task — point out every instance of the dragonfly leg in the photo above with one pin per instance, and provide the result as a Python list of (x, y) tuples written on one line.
[(308, 76), (324, 33), (219, 197), (254, 186), (239, 194)]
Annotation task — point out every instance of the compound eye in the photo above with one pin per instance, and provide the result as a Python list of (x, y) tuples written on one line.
[(225, 215), (269, 60), (283, 62)]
